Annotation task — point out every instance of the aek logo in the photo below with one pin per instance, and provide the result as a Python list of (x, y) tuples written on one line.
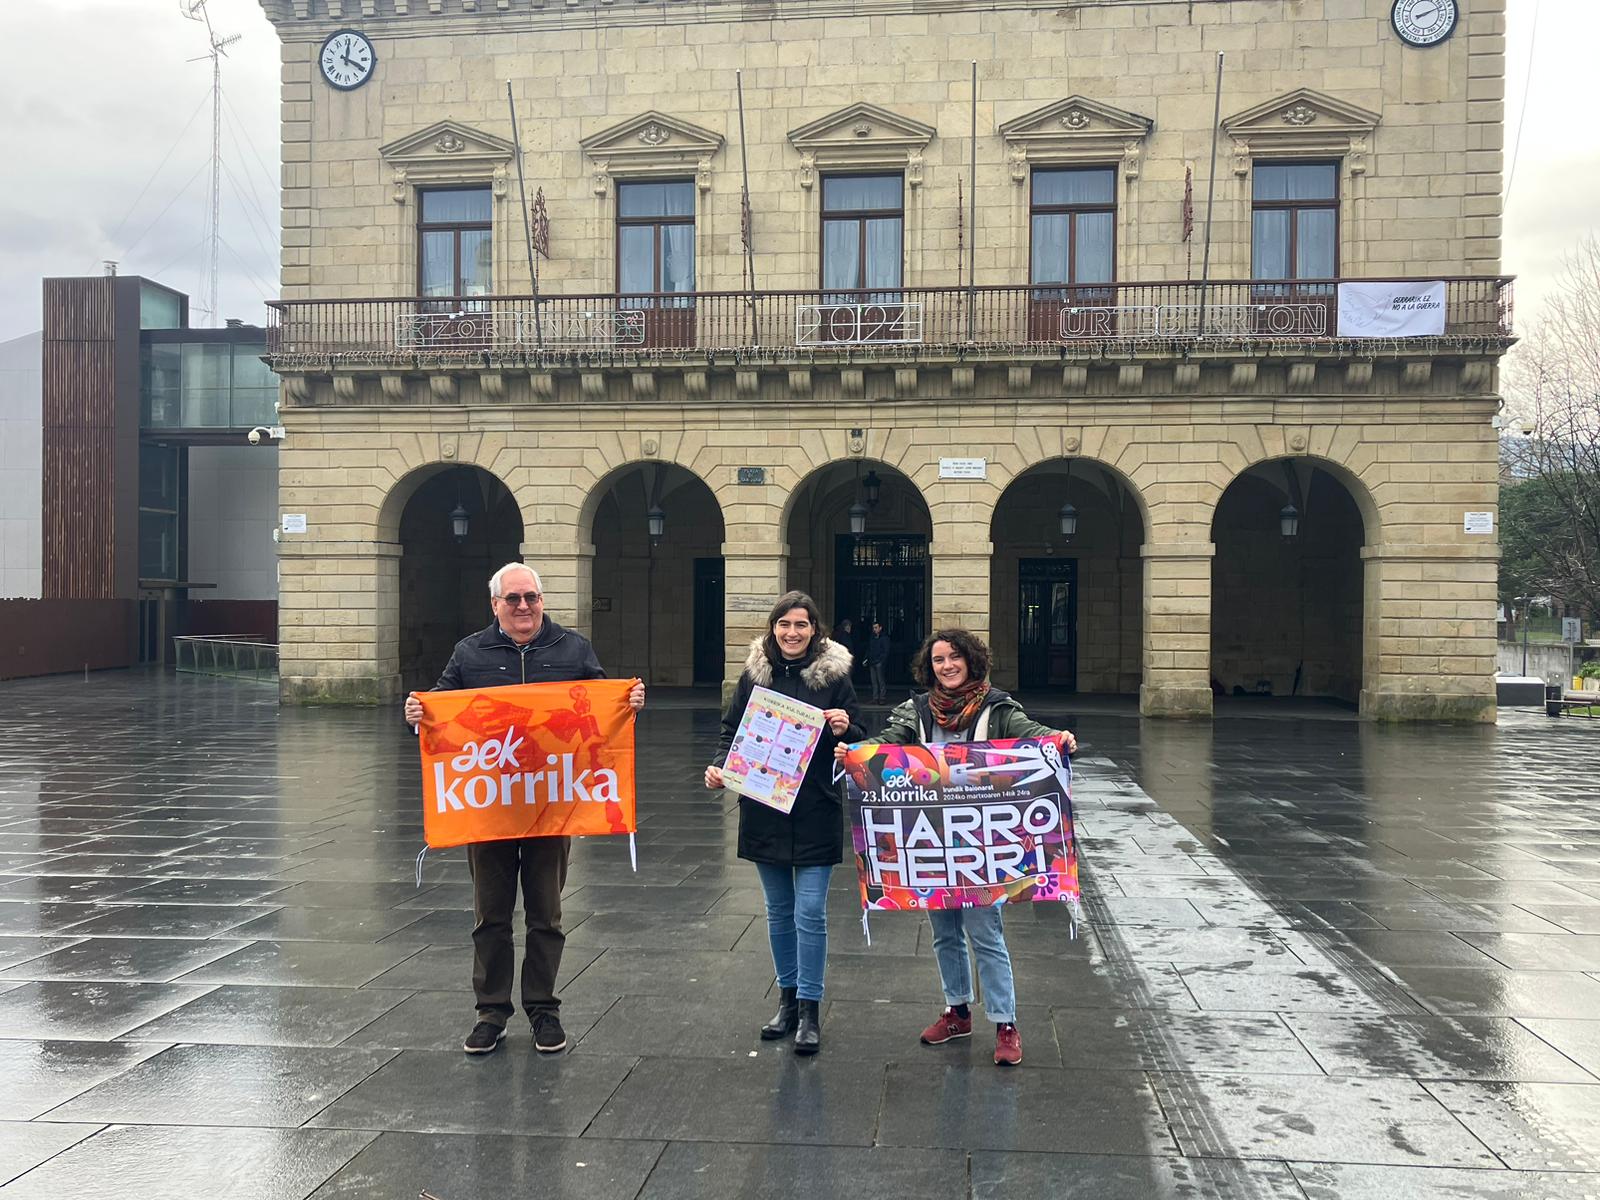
[(479, 778)]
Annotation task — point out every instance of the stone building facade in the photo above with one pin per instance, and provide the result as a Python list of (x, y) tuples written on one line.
[(880, 400)]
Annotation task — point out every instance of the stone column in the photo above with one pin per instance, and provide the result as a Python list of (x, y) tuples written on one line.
[(961, 559), (567, 573), (1429, 632), (1177, 629), (338, 622), (753, 574)]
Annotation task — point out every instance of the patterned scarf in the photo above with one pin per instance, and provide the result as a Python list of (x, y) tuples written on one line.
[(958, 709)]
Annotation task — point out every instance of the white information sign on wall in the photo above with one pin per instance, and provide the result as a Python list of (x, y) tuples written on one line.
[(294, 522), (1478, 522), (963, 468), (1572, 629)]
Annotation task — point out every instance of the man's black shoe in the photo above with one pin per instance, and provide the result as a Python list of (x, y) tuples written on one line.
[(548, 1036), (484, 1038)]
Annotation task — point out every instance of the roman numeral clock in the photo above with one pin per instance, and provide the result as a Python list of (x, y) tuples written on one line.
[(347, 59)]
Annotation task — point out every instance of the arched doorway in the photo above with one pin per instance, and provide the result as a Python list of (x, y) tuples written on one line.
[(1065, 607), (1287, 594), (460, 525), (658, 597), (879, 572)]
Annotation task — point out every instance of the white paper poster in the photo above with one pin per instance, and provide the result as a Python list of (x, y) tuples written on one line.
[(1391, 310), (772, 748)]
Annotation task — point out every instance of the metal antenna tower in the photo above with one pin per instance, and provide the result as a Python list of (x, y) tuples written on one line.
[(195, 10)]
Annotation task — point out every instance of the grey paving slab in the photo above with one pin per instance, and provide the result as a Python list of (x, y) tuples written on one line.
[(93, 1011), (711, 1027), (1574, 918), (1007, 1175), (1496, 992), (655, 931), (1539, 952), (494, 1167), (48, 917), (1251, 987), (306, 964), (984, 1107), (687, 899), (268, 1086), (20, 949), (24, 1146), (1433, 1048), (168, 921), (705, 1171), (1530, 1126), (642, 972), (327, 924), (165, 1163), (259, 1015), (441, 1020), (867, 1031), (206, 891), (1282, 1117), (72, 888), (39, 1075), (348, 894), (1341, 1181), (125, 959), (515, 1090), (781, 1100), (1157, 1040), (1579, 1040)]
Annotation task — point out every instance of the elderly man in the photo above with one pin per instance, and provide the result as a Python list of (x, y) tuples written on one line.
[(521, 645)]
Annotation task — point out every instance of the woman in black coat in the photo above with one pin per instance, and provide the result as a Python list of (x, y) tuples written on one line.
[(795, 852)]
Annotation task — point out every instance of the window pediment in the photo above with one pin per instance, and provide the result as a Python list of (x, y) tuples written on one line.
[(652, 143), (1299, 123), (862, 135), (448, 151), (1076, 130)]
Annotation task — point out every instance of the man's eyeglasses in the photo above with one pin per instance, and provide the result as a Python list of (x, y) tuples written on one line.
[(515, 599)]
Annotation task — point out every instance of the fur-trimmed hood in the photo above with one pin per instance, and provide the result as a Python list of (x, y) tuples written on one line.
[(830, 664)]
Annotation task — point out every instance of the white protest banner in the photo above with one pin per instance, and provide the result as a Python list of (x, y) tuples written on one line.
[(1388, 309)]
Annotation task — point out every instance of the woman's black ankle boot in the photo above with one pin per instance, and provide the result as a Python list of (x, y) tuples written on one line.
[(808, 1038), (787, 1017)]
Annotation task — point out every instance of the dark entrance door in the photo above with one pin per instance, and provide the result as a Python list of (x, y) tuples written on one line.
[(709, 650), (1047, 623), (883, 577)]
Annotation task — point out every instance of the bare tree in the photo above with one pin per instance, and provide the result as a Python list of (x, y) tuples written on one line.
[(1550, 509)]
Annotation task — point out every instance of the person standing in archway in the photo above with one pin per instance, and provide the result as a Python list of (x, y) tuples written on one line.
[(878, 663), (960, 705), (521, 645), (795, 852)]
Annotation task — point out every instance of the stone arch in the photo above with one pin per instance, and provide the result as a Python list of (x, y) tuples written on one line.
[(1066, 612), (656, 602), (437, 579), (1347, 462), (1291, 613), (882, 575)]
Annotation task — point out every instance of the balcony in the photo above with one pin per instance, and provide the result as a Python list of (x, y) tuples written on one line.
[(1038, 322)]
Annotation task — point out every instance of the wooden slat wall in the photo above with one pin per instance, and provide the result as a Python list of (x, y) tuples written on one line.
[(79, 419)]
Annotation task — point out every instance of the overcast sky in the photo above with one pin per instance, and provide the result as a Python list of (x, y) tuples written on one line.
[(99, 94)]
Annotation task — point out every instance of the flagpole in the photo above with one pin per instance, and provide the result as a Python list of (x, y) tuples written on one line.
[(1211, 195), (972, 201), (746, 217), (527, 229)]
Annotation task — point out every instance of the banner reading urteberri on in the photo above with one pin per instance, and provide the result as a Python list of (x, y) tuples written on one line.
[(530, 760), (962, 824)]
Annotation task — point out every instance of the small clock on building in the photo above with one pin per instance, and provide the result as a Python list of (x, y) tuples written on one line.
[(347, 59), (1425, 22)]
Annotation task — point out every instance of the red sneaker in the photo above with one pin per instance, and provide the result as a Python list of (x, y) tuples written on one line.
[(946, 1027), (1007, 1046)]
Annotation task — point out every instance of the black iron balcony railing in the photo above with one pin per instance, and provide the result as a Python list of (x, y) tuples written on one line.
[(1036, 317)]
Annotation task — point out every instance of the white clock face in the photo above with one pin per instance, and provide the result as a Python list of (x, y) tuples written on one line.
[(347, 59), (1425, 22)]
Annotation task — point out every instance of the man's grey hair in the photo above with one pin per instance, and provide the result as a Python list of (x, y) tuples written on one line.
[(497, 580)]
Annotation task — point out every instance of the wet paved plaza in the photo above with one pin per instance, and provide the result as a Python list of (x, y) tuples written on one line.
[(1322, 960)]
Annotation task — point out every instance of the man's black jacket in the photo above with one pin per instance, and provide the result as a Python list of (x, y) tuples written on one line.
[(491, 659)]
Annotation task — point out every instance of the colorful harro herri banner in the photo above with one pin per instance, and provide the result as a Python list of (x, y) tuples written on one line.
[(962, 824), (532, 760)]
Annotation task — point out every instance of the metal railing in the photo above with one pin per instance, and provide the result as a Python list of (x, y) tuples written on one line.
[(232, 656), (1036, 316)]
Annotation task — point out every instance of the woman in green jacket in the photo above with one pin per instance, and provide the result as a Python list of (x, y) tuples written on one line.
[(960, 705)]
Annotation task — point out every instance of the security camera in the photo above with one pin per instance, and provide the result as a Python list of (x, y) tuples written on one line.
[(1528, 428), (255, 436)]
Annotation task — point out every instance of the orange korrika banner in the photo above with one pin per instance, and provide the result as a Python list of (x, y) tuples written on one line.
[(530, 760)]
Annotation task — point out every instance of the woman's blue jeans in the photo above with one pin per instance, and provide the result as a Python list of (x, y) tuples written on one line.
[(797, 925), (952, 929)]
